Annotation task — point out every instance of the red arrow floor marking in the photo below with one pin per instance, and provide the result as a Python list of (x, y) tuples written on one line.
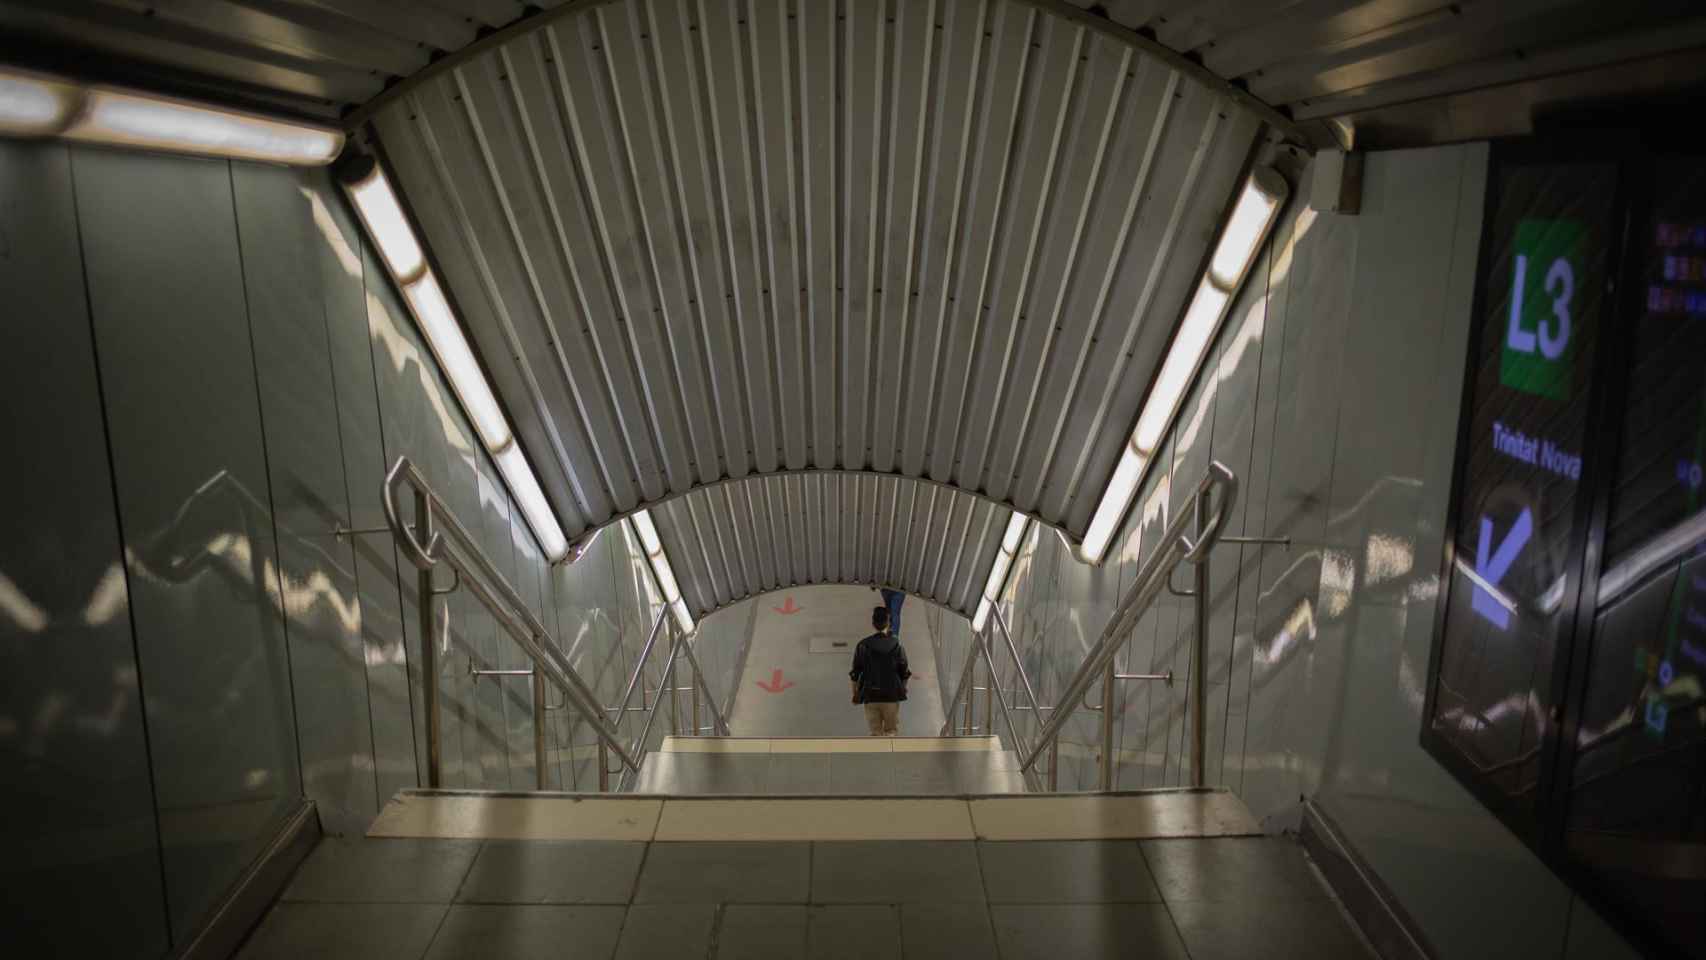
[(776, 684), (787, 609)]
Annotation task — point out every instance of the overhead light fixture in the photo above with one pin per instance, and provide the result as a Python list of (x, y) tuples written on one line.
[(652, 546), (381, 213), (534, 507), (1010, 541), (39, 105), (34, 104), (1252, 217), (444, 335), (377, 205)]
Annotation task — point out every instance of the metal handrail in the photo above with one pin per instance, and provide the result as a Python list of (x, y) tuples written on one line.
[(640, 666), (449, 543), (639, 747), (1176, 547)]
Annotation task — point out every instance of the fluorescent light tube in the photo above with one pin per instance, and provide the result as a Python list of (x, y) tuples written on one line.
[(131, 119), (666, 578), (1242, 236), (457, 361), (1115, 499), (532, 501), (981, 617), (1252, 217), (35, 105), (379, 209), (1179, 366), (682, 618), (647, 532), (1015, 532)]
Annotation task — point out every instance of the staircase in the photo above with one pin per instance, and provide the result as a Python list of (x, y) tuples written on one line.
[(830, 766)]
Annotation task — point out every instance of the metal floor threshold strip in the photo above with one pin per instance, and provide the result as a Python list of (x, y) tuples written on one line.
[(482, 815)]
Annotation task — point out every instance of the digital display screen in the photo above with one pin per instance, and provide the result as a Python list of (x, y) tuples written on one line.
[(1516, 541), (1637, 787)]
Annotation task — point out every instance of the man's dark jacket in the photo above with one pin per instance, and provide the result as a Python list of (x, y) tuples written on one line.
[(880, 670)]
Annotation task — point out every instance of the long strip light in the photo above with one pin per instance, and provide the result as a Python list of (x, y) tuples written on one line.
[(1010, 541), (665, 574), (1252, 218), (40, 105), (381, 213)]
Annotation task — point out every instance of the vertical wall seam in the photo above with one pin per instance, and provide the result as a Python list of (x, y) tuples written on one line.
[(266, 466), (124, 551)]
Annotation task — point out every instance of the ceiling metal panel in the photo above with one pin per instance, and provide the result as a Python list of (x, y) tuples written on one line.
[(740, 538), (935, 240), (1327, 58)]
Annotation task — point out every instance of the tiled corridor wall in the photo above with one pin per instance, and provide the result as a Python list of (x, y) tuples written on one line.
[(206, 375), (1333, 394)]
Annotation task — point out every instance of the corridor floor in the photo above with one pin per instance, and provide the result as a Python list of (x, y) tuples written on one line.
[(406, 899), (788, 690)]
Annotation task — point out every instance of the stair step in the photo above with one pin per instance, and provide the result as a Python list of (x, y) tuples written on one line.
[(484, 815), (831, 745)]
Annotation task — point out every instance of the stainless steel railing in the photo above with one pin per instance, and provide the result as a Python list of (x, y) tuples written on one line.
[(438, 538), (1187, 539), (680, 644)]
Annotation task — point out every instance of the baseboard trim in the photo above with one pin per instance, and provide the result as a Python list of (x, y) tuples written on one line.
[(1383, 920), (248, 899)]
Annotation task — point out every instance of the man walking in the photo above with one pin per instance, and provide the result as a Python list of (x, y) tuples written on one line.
[(893, 599), (879, 676)]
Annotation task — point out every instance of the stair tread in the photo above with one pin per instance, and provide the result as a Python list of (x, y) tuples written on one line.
[(566, 816)]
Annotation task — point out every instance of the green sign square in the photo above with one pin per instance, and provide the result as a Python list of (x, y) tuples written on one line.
[(1545, 290)]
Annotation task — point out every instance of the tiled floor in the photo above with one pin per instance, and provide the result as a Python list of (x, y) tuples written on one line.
[(440, 899)]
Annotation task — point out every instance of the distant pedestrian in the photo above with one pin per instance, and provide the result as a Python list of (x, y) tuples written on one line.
[(892, 599), (879, 676)]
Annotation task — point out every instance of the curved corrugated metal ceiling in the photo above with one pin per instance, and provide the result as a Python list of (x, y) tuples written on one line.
[(943, 241), (733, 540)]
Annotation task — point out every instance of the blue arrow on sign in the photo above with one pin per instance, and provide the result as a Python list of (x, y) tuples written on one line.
[(1492, 569)]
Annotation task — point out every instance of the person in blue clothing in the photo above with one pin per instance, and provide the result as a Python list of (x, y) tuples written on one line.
[(892, 599)]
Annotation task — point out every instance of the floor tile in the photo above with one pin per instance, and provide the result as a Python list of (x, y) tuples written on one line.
[(667, 931), (344, 931), (798, 773), (1232, 870), (1065, 871), (930, 871), (360, 870), (1085, 931), (540, 817), (1113, 817), (930, 931), (812, 818), (766, 932), (715, 745), (1276, 930), (700, 774), (553, 871), (860, 774), (527, 932), (725, 873), (946, 744), (853, 933)]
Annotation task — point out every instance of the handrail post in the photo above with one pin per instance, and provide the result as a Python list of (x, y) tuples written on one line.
[(1054, 766), (963, 690), (989, 687), (428, 613), (1107, 758), (1199, 671), (539, 763), (674, 695), (971, 690), (718, 723), (603, 768)]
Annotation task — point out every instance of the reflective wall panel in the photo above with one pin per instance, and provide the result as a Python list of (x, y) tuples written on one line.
[(1333, 393), (75, 790)]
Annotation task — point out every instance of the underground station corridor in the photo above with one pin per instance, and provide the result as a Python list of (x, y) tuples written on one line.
[(853, 478)]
